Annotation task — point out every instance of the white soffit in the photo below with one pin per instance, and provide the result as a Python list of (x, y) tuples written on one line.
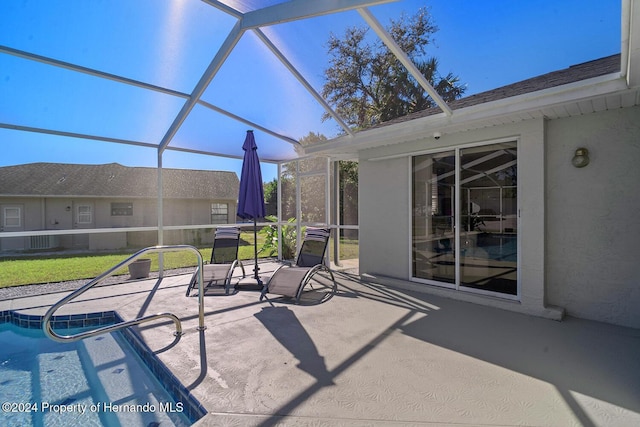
[(583, 97)]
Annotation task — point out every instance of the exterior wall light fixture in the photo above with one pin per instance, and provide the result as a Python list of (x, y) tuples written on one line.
[(580, 158)]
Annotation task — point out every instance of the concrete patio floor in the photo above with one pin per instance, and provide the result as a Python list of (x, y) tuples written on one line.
[(378, 356)]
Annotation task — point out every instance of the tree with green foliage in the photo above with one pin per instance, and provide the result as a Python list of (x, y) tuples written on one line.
[(368, 85), (271, 196)]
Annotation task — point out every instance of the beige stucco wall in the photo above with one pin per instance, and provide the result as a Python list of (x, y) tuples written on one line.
[(31, 219), (579, 229), (385, 230), (53, 213), (58, 214), (593, 217), (31, 211)]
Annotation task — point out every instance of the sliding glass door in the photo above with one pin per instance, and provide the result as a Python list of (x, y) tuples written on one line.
[(465, 223)]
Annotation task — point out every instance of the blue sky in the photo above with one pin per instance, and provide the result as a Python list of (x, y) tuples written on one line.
[(486, 43)]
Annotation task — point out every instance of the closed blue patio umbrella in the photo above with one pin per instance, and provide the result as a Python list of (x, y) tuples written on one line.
[(251, 195)]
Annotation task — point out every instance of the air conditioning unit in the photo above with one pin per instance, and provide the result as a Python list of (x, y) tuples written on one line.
[(43, 242)]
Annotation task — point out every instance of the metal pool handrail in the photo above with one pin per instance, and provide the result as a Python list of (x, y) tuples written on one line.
[(46, 321)]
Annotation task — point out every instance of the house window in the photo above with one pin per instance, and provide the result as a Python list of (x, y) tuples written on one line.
[(219, 213), (121, 209), (464, 221), (84, 214), (12, 217)]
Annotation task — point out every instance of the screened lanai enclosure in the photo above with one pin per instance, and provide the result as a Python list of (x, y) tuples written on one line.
[(171, 82), (163, 79)]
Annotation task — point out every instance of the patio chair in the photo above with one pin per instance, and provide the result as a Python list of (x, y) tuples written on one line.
[(224, 260), (291, 281)]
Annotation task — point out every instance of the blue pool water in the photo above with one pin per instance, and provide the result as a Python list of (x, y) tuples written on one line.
[(494, 247), (98, 381)]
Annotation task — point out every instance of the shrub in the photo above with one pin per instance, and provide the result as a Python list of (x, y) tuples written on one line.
[(287, 236)]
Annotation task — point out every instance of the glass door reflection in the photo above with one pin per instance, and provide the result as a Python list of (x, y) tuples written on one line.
[(433, 217), (488, 218)]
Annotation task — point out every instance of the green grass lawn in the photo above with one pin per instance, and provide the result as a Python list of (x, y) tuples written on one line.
[(58, 268)]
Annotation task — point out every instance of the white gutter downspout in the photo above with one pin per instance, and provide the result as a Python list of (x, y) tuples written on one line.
[(625, 32), (630, 49)]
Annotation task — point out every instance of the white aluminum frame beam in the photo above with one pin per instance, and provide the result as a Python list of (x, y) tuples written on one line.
[(283, 12), (224, 8), (90, 71), (131, 82), (123, 141), (279, 13), (296, 10), (223, 53), (404, 59), (302, 81), (248, 123)]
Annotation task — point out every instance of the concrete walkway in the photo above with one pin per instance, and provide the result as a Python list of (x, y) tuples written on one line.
[(377, 356)]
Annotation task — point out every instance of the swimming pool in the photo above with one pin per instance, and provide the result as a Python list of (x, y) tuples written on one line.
[(106, 380), (497, 247)]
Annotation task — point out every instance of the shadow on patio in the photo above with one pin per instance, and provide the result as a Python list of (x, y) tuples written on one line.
[(379, 356), (488, 366)]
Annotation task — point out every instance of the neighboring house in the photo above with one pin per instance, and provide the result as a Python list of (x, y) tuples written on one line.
[(54, 196), (486, 205)]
